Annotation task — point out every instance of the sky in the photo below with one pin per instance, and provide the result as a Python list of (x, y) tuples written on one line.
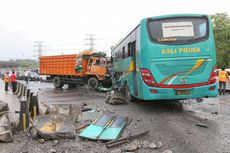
[(63, 25)]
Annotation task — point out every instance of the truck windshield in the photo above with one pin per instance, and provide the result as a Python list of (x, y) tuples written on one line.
[(178, 30)]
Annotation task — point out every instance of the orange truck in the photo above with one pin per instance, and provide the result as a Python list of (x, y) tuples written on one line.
[(86, 67)]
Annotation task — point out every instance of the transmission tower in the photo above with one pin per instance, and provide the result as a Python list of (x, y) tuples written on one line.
[(38, 45), (91, 41)]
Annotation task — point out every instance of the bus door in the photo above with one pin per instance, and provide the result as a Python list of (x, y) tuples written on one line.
[(133, 54)]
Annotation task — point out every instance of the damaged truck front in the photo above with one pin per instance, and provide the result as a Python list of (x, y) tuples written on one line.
[(87, 67)]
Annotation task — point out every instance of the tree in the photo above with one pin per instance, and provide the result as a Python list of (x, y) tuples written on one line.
[(221, 27)]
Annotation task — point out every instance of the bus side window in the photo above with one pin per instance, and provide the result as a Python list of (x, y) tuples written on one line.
[(133, 47), (123, 52), (129, 49)]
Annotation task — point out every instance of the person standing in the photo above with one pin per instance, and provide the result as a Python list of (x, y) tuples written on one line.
[(27, 74), (223, 77), (13, 78), (6, 80)]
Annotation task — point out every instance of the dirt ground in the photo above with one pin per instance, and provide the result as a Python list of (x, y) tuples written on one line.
[(173, 123)]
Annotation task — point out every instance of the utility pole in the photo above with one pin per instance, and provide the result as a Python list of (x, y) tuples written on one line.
[(38, 45), (91, 41)]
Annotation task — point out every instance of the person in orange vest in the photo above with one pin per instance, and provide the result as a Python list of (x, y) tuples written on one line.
[(223, 77), (6, 80)]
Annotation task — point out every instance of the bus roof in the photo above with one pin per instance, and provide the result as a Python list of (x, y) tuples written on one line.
[(158, 17)]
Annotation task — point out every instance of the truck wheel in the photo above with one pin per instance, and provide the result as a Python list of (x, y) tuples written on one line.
[(128, 95), (93, 83), (57, 82)]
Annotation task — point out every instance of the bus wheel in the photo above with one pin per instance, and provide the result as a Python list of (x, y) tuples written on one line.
[(57, 82), (93, 83), (128, 96)]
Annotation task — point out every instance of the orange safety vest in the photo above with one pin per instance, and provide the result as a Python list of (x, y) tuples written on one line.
[(6, 78), (223, 76)]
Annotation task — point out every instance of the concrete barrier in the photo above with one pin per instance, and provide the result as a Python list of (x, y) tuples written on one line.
[(23, 124), (29, 100), (20, 91), (34, 106), (18, 87), (24, 91)]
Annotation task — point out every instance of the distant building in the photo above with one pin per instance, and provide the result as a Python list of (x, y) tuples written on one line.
[(8, 64)]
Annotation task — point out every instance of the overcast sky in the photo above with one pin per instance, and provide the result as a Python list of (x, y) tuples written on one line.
[(62, 24)]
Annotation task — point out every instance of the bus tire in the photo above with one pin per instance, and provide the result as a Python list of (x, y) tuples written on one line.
[(128, 95), (57, 82), (93, 83)]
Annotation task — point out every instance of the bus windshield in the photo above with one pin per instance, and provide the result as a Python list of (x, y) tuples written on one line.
[(178, 30)]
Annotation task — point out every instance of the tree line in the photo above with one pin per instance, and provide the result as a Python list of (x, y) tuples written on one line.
[(221, 27)]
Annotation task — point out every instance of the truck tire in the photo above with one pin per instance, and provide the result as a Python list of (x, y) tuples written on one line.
[(93, 83), (128, 95), (57, 82)]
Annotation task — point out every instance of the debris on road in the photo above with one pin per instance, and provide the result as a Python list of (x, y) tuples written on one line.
[(115, 98), (202, 125), (3, 108), (5, 129), (59, 124), (41, 141), (106, 127), (102, 89), (134, 145), (125, 139), (80, 127), (153, 145), (5, 126), (55, 142), (215, 113), (167, 151)]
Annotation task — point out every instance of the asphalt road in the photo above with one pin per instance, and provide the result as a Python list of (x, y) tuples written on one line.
[(173, 123)]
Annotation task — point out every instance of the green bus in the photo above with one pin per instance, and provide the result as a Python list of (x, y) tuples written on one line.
[(167, 57)]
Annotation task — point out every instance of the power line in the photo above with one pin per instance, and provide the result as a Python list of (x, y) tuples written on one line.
[(91, 41), (38, 45)]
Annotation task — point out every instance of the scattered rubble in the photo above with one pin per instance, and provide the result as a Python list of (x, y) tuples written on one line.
[(159, 144), (134, 145), (5, 125), (153, 145), (55, 142), (59, 123), (215, 113), (115, 98), (145, 144), (167, 151), (41, 141)]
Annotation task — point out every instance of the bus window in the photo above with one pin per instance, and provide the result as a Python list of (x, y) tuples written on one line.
[(178, 30), (123, 52)]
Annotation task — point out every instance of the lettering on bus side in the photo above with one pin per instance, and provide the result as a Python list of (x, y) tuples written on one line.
[(179, 50)]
